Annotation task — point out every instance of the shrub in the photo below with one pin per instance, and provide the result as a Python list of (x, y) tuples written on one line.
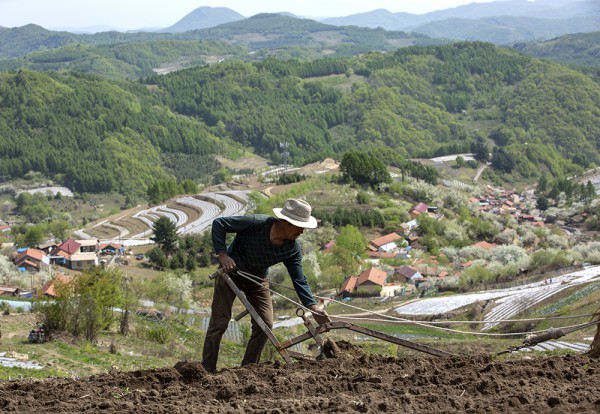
[(158, 333)]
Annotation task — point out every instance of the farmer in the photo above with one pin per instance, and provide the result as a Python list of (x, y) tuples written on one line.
[(260, 242)]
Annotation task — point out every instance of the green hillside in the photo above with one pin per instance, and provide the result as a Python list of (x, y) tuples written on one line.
[(93, 135), (581, 49), (416, 102), (118, 55), (130, 60), (506, 30), (97, 135)]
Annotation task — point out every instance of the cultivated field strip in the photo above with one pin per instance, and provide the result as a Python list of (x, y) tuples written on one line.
[(190, 214), (232, 206), (554, 345), (510, 302), (210, 211)]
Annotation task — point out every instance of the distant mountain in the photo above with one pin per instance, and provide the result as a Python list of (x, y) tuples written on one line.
[(118, 55), (203, 18), (378, 18), (507, 30), (542, 9), (488, 21), (582, 49), (19, 41), (269, 31)]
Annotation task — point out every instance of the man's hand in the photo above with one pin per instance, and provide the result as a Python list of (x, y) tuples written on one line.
[(227, 262), (321, 317)]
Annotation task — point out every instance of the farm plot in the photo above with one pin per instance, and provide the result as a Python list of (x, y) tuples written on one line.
[(190, 214), (510, 302)]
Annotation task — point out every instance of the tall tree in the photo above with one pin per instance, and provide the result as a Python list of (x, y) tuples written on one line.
[(165, 234), (349, 249)]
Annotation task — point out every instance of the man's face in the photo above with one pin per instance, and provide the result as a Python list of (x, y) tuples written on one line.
[(294, 231)]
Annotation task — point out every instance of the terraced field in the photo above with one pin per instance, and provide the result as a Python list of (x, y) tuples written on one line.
[(190, 214)]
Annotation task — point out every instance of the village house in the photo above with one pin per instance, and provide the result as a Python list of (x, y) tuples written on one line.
[(370, 280), (419, 209), (88, 246), (49, 288), (406, 274), (70, 254), (110, 248), (348, 286), (10, 291), (409, 227), (47, 247), (81, 260), (387, 243), (32, 259)]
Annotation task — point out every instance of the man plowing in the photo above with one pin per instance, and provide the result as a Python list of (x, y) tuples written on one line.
[(260, 242)]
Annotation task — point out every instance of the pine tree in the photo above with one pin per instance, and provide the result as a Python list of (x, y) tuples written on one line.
[(165, 234)]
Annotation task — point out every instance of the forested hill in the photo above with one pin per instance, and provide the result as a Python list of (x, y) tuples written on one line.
[(95, 135), (416, 102), (582, 49), (128, 60), (34, 47)]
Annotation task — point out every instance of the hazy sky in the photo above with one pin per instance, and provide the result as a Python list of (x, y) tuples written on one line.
[(136, 14)]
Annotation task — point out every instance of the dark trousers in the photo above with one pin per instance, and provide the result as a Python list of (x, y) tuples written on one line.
[(259, 297)]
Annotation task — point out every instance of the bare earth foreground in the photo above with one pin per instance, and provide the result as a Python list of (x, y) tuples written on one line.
[(350, 383)]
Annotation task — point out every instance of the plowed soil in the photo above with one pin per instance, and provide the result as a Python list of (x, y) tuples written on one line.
[(349, 383)]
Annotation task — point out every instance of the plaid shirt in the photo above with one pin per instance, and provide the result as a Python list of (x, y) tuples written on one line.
[(254, 253)]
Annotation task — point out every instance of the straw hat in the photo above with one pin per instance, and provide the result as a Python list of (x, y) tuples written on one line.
[(297, 212)]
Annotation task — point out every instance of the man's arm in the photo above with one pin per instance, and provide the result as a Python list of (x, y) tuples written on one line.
[(220, 227), (223, 225), (294, 268), (304, 292)]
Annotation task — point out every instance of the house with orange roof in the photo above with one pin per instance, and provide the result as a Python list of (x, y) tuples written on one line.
[(348, 286), (371, 280), (110, 248), (32, 260), (381, 255), (49, 288), (386, 243)]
